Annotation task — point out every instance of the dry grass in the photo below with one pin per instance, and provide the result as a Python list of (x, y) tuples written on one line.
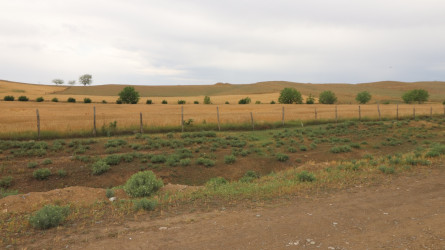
[(69, 117)]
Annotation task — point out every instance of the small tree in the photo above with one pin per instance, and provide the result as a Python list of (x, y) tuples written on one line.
[(363, 97), (58, 81), (246, 100), (416, 95), (207, 100), (86, 79), (327, 97), (72, 82), (310, 99), (129, 95), (289, 96)]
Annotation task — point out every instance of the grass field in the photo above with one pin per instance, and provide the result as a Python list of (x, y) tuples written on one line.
[(19, 117)]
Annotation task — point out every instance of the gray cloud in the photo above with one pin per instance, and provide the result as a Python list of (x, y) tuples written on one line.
[(203, 42)]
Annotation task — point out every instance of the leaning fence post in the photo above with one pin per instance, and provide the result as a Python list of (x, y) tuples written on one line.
[(217, 115), (38, 123), (251, 118), (336, 114), (359, 113), (378, 109), (182, 118), (397, 113), (142, 126), (94, 121), (282, 116)]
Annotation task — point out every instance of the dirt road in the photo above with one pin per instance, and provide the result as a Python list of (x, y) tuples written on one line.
[(405, 213)]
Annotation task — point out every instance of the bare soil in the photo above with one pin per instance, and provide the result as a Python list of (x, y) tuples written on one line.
[(406, 212)]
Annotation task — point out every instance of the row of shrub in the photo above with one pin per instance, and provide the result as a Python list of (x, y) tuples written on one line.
[(22, 98)]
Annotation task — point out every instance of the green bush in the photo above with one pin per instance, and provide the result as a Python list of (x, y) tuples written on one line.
[(387, 170), (8, 98), (145, 204), (185, 162), (226, 102), (282, 157), (55, 99), (289, 96), (257, 102), (61, 173), (41, 174), (207, 100), (129, 95), (249, 176), (70, 99), (181, 101), (86, 100), (103, 101), (47, 161), (363, 97), (23, 98), (216, 182), (142, 184), (164, 102), (327, 97), (229, 159), (149, 101), (113, 159), (246, 100), (310, 99), (158, 158), (119, 101), (303, 148), (272, 102), (40, 99), (6, 181), (49, 216), (195, 102), (305, 176), (416, 95), (206, 162), (109, 193), (340, 149), (100, 167)]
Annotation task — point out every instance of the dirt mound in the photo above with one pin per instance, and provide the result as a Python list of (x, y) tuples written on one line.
[(72, 195)]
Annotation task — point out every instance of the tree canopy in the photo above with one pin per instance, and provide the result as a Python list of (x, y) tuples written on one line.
[(86, 79), (363, 97), (416, 95), (327, 97), (289, 96), (129, 95)]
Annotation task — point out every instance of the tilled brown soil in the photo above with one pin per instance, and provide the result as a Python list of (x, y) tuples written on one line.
[(406, 212)]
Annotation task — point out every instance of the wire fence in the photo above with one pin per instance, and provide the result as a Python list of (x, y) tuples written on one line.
[(86, 117)]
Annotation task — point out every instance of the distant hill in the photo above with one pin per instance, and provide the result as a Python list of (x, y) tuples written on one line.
[(381, 91)]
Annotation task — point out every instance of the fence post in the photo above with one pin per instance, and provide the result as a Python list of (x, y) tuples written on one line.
[(336, 114), (142, 126), (378, 109), (38, 123), (431, 112), (94, 121), (414, 112), (251, 118), (282, 116), (217, 114), (397, 114), (359, 113), (315, 113), (443, 110), (182, 118)]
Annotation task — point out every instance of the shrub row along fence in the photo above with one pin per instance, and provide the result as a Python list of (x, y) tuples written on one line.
[(102, 119)]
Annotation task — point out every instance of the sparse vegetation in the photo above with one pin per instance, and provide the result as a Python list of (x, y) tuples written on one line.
[(100, 167), (49, 216), (42, 174), (143, 184)]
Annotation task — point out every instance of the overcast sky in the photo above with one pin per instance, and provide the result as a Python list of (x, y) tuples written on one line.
[(206, 41)]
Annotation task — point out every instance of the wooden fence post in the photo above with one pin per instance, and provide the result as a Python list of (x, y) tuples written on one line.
[(282, 116), (38, 123), (142, 126), (251, 118), (397, 114), (182, 118), (94, 121), (336, 114), (217, 115), (431, 112), (359, 113), (315, 113), (414, 112), (378, 109)]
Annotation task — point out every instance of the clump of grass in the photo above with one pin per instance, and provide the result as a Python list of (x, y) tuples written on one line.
[(49, 216), (229, 159), (6, 181), (185, 162), (47, 161), (32, 164), (100, 167), (7, 192), (387, 170), (216, 182), (282, 157), (303, 148), (42, 174), (61, 173), (291, 149), (145, 204), (109, 193), (158, 158), (305, 176), (205, 161), (249, 176), (340, 149), (142, 184)]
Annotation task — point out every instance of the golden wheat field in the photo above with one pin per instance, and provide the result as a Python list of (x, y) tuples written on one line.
[(67, 117)]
